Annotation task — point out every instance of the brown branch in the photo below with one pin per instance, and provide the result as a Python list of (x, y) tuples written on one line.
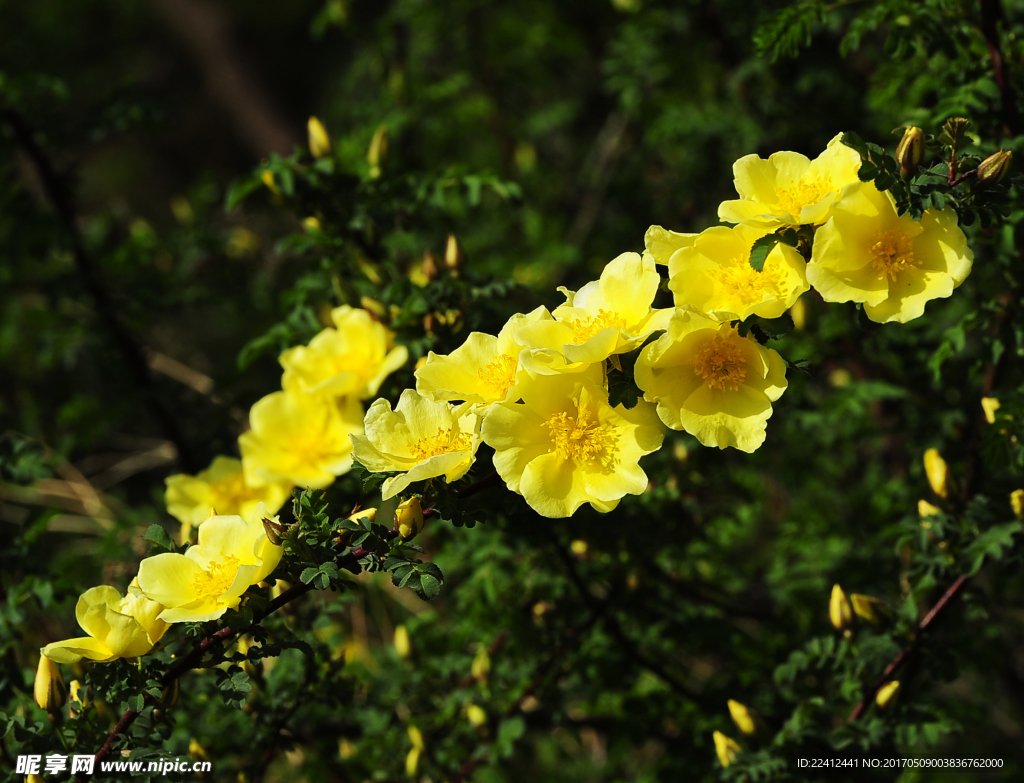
[(897, 662), (131, 351), (205, 29), (991, 15)]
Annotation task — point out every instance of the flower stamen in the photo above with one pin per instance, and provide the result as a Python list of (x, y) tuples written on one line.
[(721, 364), (893, 253)]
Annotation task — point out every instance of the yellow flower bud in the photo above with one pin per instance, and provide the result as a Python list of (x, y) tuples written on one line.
[(990, 405), (77, 695), (839, 610), (49, 685), (742, 717), (453, 255), (374, 306), (1017, 502), (169, 695), (346, 749), (378, 151), (994, 167), (578, 547), (481, 668), (274, 531), (409, 517), (937, 471), (910, 150), (431, 270), (403, 644), (886, 693), (866, 607), (197, 751), (319, 141), (412, 761), (926, 509), (268, 180), (726, 748), (416, 738), (476, 715), (311, 224)]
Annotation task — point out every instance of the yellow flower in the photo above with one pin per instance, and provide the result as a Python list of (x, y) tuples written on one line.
[(299, 438), (211, 576), (710, 382), (482, 370), (742, 717), (1017, 503), (990, 405), (221, 486), (419, 437), (607, 316), (788, 188), (319, 140), (886, 693), (353, 358), (714, 274), (894, 265), (660, 243), (118, 627), (565, 445), (726, 748)]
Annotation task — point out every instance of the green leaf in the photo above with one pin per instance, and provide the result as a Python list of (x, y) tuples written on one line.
[(157, 535), (430, 586), (308, 575), (760, 249)]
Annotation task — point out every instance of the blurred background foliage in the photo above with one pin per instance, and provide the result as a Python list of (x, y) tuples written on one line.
[(547, 135)]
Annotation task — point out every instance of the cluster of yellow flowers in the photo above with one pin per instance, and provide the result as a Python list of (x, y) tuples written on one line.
[(537, 393), (299, 436)]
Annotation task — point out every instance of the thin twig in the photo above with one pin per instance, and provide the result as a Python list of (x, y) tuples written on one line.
[(60, 197), (991, 15), (897, 662)]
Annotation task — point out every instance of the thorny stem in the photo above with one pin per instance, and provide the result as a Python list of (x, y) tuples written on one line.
[(192, 659)]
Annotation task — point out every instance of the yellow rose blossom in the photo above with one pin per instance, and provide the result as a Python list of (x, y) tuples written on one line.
[(788, 189), (299, 438), (606, 316), (660, 243), (221, 486), (565, 445), (118, 626), (714, 274), (353, 358), (894, 265), (710, 382), (482, 370), (421, 438), (211, 576)]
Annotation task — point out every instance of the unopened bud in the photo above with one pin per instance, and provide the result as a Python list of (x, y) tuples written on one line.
[(453, 255), (409, 517), (926, 509), (369, 514), (312, 224), (319, 141), (275, 531), (994, 167), (403, 644), (910, 150), (431, 270), (742, 717), (77, 695), (374, 306), (412, 761), (1017, 503), (481, 668), (937, 471), (416, 738), (378, 152), (866, 607), (476, 715), (990, 405), (726, 748), (197, 751), (49, 685), (268, 180), (839, 610), (887, 693)]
